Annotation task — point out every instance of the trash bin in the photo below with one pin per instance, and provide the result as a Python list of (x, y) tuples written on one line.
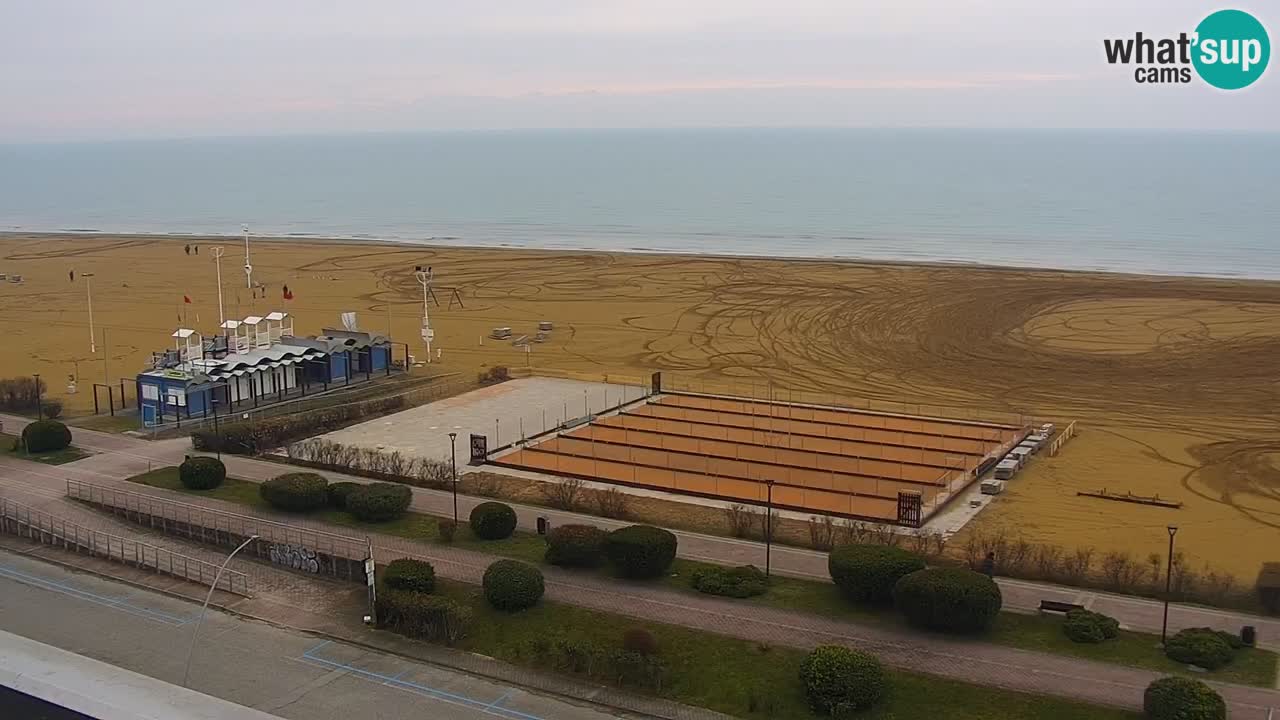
[(543, 526), (1249, 635)]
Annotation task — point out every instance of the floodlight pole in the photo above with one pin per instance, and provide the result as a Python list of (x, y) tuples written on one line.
[(1168, 586), (453, 449), (195, 632), (424, 278), (217, 259), (768, 528), (88, 289), (248, 268)]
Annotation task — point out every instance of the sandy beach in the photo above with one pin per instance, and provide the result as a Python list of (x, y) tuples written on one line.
[(1172, 379)]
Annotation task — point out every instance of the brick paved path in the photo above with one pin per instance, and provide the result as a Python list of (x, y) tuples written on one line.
[(970, 661)]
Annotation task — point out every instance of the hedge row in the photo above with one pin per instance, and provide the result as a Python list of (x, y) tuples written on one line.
[(304, 492), (423, 616), (640, 551), (1086, 626), (867, 573), (1203, 647), (736, 582), (251, 438), (576, 546)]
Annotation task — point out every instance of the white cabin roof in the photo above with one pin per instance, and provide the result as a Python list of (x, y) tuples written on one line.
[(252, 320), (277, 315), (183, 333), (231, 324)]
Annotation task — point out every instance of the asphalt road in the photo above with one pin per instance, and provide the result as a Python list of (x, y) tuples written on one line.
[(282, 672)]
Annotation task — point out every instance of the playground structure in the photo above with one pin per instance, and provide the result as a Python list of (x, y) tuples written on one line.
[(878, 466)]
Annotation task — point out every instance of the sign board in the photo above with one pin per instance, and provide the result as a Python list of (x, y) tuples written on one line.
[(479, 449), (368, 570)]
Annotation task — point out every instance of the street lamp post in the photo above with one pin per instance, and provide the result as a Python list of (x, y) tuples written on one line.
[(217, 261), (195, 632), (453, 449), (424, 279), (39, 403), (768, 528), (88, 290), (248, 268), (217, 436), (1168, 586)]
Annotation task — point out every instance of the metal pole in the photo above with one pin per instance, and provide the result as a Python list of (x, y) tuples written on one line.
[(453, 451), (217, 259), (39, 408), (248, 269), (88, 290), (195, 632), (1168, 586), (768, 531), (217, 437), (424, 278)]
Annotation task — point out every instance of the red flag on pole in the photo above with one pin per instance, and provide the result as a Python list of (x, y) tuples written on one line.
[(186, 299), (288, 294)]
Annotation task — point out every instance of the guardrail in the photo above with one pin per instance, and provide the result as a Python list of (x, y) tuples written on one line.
[(308, 550), (28, 522), (1067, 433)]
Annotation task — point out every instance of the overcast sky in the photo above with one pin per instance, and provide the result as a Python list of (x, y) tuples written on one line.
[(85, 69)]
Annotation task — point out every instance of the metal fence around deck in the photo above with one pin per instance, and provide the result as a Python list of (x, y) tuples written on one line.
[(308, 550), (27, 522)]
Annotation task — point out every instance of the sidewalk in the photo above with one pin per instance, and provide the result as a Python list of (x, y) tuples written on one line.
[(122, 456)]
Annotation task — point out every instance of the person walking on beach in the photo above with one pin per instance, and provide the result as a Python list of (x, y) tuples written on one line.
[(72, 275), (186, 249), (197, 249)]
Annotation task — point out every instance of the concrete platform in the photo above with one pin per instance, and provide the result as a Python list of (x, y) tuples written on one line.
[(504, 413)]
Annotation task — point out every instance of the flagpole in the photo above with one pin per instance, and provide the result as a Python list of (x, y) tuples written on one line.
[(217, 259)]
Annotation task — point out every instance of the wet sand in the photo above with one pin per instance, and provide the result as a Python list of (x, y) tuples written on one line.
[(1175, 381)]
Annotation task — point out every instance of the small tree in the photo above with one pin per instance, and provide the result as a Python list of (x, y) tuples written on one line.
[(839, 681), (295, 492), (511, 585), (1182, 698), (867, 573), (338, 493), (641, 551), (1086, 626), (1202, 647), (948, 599), (201, 473), (493, 521)]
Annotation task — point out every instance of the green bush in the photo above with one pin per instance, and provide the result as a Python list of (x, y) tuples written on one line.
[(640, 551), (420, 615), (511, 585), (338, 493), (45, 436), (201, 473), (52, 409), (867, 573), (493, 521), (410, 575), (1201, 647), (1268, 587), (839, 682), (639, 641), (379, 502), (948, 599), (736, 582), (1086, 626), (575, 546), (295, 492), (1182, 698)]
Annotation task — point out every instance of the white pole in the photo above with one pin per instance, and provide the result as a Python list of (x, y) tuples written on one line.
[(424, 277), (205, 608), (88, 288), (217, 259), (248, 269)]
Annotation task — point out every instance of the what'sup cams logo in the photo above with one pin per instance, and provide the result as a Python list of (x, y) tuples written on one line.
[(1229, 50)]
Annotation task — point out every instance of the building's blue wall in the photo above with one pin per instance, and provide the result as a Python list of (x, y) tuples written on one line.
[(338, 366), (381, 356)]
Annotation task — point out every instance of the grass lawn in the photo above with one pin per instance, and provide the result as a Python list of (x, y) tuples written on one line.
[(57, 457), (1028, 632), (118, 423), (743, 678)]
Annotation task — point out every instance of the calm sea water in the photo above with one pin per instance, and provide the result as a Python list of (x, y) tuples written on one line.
[(1159, 202)]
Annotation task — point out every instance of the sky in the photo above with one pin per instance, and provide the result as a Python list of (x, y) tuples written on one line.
[(94, 69)]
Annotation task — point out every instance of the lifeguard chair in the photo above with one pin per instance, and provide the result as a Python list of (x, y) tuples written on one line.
[(189, 344), (257, 330), (238, 340), (279, 324)]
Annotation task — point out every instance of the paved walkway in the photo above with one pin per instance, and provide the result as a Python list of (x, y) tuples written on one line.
[(975, 662)]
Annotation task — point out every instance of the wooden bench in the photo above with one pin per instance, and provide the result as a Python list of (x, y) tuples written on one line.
[(1058, 606)]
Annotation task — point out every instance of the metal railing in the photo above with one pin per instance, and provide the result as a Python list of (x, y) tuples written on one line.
[(27, 522), (300, 548)]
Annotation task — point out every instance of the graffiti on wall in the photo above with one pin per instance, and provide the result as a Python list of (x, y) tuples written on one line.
[(296, 557)]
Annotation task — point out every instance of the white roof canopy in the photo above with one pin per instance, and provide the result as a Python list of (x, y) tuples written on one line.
[(231, 324), (183, 333), (277, 315), (252, 320)]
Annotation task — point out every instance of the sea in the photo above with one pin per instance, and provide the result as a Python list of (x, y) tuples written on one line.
[(1162, 202)]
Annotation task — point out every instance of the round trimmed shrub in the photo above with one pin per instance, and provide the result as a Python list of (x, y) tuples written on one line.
[(640, 551), (45, 436), (639, 641), (201, 473), (493, 520), (379, 502), (295, 492), (1086, 626), (839, 681), (867, 573), (511, 585), (338, 493), (948, 599), (737, 582), (410, 575), (576, 546), (1182, 698), (1201, 647)]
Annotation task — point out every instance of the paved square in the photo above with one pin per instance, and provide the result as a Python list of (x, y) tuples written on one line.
[(504, 413)]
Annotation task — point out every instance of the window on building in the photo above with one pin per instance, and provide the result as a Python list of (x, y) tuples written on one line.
[(150, 392)]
